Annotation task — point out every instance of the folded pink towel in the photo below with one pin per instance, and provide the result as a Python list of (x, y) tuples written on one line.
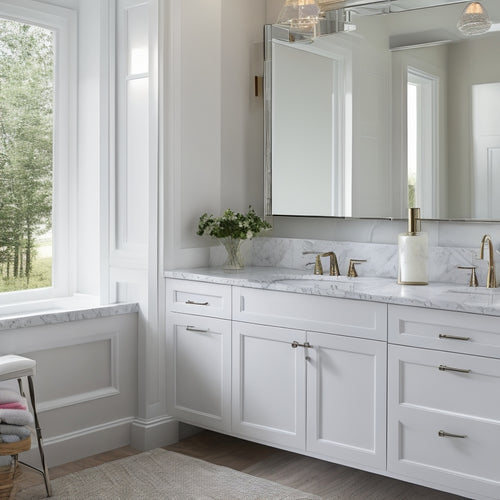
[(10, 396), (16, 417), (13, 406)]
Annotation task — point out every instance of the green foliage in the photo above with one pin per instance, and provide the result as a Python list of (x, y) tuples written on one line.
[(41, 277), (232, 225), (26, 131)]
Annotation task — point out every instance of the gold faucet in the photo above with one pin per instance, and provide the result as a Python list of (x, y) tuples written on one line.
[(334, 265), (318, 268), (352, 273), (491, 280)]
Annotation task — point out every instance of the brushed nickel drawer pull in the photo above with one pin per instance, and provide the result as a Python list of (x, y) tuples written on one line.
[(452, 337), (194, 329), (447, 434), (445, 368), (193, 303), (296, 344)]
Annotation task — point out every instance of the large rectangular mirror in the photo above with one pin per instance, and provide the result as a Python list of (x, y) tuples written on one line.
[(400, 109)]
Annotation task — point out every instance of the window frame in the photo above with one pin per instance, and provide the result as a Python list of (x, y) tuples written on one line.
[(63, 23)]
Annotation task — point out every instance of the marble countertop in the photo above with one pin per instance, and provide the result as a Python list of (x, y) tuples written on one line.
[(61, 311), (445, 296)]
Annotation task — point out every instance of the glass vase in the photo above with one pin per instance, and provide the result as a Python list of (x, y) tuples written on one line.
[(234, 260)]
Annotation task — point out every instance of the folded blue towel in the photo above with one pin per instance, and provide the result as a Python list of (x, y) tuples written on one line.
[(9, 438), (19, 430), (16, 417)]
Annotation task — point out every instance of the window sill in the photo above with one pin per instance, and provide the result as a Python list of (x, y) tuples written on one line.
[(61, 310)]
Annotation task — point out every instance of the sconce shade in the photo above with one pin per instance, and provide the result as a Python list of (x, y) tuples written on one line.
[(474, 20), (301, 15)]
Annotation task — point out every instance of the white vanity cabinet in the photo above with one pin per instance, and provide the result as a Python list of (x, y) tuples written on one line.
[(444, 399), (310, 390), (199, 353), (269, 385), (409, 392), (346, 394)]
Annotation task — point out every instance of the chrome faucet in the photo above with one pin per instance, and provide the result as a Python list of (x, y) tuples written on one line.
[(334, 265), (491, 280)]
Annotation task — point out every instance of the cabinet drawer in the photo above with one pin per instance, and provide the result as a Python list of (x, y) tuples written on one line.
[(444, 425), (416, 449), (311, 312), (445, 330), (445, 382), (201, 299)]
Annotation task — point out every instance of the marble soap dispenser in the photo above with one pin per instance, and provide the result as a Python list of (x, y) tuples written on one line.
[(413, 252)]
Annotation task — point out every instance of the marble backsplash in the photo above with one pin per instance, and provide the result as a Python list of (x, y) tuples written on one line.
[(381, 259)]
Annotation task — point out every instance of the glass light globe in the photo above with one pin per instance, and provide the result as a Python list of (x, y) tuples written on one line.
[(301, 15), (474, 20)]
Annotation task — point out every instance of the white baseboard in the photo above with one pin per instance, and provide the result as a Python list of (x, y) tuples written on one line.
[(147, 434), (138, 433), (82, 443)]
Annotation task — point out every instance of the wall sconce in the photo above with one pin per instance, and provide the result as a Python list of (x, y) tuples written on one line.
[(474, 20), (301, 16)]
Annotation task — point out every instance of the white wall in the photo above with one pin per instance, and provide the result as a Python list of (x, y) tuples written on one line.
[(86, 383), (213, 145)]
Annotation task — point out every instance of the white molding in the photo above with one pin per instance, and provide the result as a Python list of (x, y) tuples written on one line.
[(82, 443), (87, 431), (112, 390), (132, 253), (83, 397), (107, 141), (147, 434)]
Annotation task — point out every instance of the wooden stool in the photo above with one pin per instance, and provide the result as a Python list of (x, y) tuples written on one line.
[(9, 473), (16, 367)]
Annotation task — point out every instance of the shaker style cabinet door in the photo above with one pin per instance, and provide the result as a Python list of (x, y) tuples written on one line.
[(346, 390), (268, 399), (199, 370)]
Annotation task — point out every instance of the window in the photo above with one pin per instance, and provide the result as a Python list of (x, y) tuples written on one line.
[(26, 155), (36, 157), (422, 130)]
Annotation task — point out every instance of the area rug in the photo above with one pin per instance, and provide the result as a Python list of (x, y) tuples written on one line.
[(161, 474)]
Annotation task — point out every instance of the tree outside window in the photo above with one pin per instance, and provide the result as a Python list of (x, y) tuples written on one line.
[(26, 155)]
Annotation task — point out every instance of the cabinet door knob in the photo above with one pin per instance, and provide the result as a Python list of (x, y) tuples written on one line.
[(445, 368), (447, 434), (296, 344)]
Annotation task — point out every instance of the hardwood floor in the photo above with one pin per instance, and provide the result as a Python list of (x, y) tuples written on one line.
[(321, 478)]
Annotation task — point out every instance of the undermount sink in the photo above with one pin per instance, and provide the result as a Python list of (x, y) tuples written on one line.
[(342, 283), (480, 296), (476, 290), (308, 282)]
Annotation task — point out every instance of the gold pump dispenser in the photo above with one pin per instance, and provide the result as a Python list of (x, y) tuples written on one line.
[(414, 222), (413, 252)]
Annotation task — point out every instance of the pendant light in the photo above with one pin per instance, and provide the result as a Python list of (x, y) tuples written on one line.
[(474, 20), (300, 15)]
